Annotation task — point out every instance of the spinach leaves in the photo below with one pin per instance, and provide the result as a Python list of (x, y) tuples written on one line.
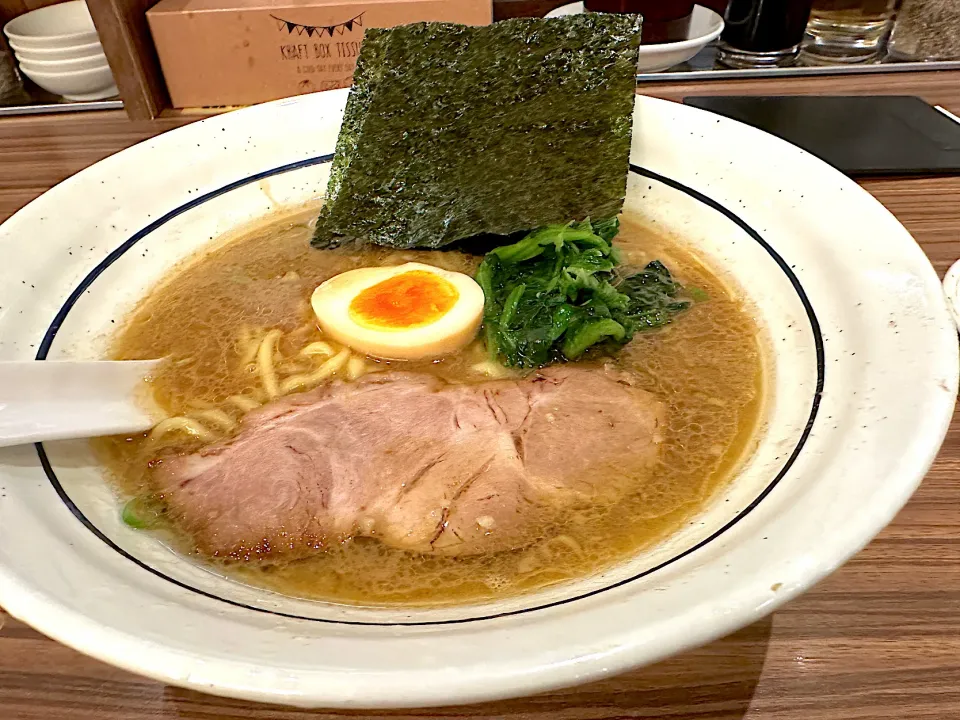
[(561, 290)]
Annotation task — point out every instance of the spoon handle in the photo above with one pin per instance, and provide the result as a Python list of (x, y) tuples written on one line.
[(61, 399)]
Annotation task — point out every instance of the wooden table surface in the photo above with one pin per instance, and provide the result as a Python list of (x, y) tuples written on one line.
[(879, 639)]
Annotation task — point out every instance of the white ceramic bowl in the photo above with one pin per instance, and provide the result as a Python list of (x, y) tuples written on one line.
[(863, 383), (56, 67), (705, 27), (74, 52), (60, 26), (93, 84)]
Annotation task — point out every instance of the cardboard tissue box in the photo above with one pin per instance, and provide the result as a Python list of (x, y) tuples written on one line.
[(240, 52)]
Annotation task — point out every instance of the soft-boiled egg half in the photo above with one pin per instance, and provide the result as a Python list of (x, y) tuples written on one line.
[(407, 312)]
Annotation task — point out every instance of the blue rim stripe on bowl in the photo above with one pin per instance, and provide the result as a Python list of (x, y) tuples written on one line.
[(92, 276)]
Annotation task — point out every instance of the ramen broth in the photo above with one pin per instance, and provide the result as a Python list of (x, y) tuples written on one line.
[(707, 368)]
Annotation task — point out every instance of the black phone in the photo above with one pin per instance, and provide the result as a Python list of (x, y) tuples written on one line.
[(859, 135)]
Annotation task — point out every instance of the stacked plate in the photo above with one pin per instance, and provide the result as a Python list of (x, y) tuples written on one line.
[(58, 48)]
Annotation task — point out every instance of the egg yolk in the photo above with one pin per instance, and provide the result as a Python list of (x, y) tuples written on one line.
[(407, 300)]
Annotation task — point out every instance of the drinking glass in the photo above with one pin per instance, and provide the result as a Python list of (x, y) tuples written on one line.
[(763, 33), (847, 31)]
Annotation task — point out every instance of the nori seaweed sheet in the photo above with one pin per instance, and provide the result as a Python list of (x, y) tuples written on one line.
[(453, 131)]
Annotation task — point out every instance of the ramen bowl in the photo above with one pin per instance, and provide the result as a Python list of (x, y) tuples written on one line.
[(858, 402)]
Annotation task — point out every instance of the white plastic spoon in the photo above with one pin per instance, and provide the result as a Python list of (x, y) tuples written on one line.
[(61, 399)]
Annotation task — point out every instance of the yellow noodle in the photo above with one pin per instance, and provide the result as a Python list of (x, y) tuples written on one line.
[(249, 344), (289, 367), (265, 354), (243, 403), (319, 348), (491, 369), (218, 418), (296, 338), (328, 368), (184, 425), (249, 353), (357, 367)]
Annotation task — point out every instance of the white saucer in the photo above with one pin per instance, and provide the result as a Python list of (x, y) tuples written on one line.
[(705, 27)]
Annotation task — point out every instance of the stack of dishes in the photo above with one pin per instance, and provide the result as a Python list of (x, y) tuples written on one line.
[(58, 48)]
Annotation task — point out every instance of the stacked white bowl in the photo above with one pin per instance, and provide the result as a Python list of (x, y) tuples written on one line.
[(58, 48)]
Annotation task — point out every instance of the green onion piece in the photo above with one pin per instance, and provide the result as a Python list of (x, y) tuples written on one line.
[(141, 513)]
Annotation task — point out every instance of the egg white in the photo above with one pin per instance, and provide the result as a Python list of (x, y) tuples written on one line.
[(447, 334)]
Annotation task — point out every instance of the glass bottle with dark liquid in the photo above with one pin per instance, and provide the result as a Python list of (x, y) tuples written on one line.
[(663, 20), (761, 33)]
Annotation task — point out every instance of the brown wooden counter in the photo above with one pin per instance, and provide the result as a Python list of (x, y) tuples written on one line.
[(879, 639)]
